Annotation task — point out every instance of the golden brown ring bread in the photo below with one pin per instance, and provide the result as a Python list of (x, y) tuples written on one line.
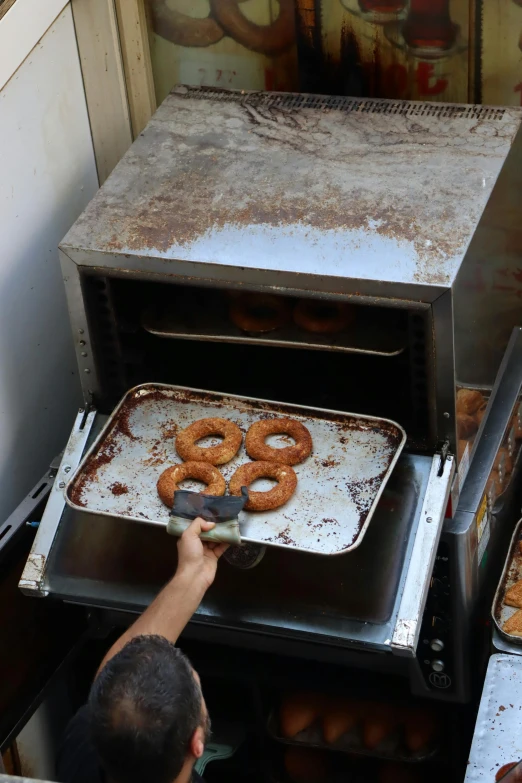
[(200, 471), (469, 401), (307, 765), (215, 455), (264, 501), (466, 426), (182, 29), (259, 312), (256, 447), (314, 315), (297, 712), (270, 39)]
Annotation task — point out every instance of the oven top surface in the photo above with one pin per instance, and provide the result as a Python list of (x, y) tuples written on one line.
[(338, 187)]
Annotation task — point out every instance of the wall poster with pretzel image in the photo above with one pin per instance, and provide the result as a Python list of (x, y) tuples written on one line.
[(457, 51), (232, 44), (414, 49)]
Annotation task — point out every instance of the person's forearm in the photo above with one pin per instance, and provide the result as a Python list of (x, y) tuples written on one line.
[(167, 615)]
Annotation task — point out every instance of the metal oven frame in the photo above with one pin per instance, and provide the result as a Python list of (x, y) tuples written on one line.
[(486, 144)]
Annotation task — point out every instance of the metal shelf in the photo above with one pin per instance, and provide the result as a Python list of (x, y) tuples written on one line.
[(203, 316)]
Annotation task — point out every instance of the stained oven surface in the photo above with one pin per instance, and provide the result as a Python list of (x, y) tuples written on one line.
[(372, 204)]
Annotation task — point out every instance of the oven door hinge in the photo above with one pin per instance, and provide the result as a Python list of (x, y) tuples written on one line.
[(444, 453), (87, 408)]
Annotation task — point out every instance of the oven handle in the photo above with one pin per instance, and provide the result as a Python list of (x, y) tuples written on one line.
[(409, 618)]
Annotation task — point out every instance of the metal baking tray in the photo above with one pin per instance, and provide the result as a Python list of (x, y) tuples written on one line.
[(199, 315), (391, 749), (496, 740), (338, 489), (511, 573)]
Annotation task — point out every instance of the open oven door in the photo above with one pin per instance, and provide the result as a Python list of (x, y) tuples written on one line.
[(407, 628), (371, 599)]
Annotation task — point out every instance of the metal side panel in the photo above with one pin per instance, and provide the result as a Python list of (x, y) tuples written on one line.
[(33, 576), (22, 513), (409, 619), (497, 739)]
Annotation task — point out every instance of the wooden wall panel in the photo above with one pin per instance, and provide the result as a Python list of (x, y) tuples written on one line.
[(501, 55)]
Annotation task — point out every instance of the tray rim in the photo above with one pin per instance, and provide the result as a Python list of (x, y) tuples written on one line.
[(509, 557), (267, 341), (272, 403)]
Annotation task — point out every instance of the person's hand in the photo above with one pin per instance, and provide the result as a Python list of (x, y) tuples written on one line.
[(198, 559)]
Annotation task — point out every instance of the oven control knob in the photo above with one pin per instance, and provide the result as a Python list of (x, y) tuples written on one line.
[(437, 645), (437, 666)]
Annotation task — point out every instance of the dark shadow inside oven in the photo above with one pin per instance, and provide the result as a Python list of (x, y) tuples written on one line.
[(391, 382)]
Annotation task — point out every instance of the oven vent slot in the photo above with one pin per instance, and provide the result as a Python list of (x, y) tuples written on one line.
[(419, 330), (104, 329), (345, 104)]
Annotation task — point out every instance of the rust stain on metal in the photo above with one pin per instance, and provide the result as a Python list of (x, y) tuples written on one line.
[(118, 488), (34, 570), (204, 166), (130, 467), (105, 455), (161, 225)]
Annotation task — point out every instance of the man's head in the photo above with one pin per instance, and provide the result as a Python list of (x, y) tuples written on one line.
[(148, 716)]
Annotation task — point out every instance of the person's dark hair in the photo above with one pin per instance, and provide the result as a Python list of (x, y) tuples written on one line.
[(144, 707)]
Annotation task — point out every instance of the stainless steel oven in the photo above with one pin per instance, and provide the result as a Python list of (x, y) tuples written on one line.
[(405, 212)]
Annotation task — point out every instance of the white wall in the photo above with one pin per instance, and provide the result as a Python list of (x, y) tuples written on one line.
[(38, 741), (47, 176)]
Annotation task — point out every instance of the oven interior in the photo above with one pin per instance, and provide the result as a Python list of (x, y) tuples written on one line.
[(390, 375)]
